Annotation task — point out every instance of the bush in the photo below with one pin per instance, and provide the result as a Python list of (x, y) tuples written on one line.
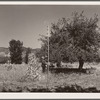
[(62, 88), (66, 88), (3, 60)]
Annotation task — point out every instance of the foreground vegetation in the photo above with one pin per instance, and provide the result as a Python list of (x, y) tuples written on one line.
[(11, 80)]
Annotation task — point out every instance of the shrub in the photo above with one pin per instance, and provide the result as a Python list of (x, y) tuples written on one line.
[(3, 60)]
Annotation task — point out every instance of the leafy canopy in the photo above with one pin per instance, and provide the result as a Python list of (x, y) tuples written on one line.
[(73, 39), (16, 48)]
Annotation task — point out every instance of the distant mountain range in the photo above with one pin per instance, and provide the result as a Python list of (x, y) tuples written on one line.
[(6, 50), (5, 54)]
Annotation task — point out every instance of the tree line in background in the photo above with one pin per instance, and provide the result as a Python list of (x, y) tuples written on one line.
[(16, 50), (15, 54)]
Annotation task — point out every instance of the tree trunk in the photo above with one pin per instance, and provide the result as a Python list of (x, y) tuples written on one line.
[(58, 64), (81, 62), (43, 67)]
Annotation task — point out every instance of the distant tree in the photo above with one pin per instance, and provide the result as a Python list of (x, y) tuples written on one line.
[(73, 39), (15, 48), (28, 51)]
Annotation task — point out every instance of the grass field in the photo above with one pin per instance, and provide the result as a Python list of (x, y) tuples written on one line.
[(11, 78)]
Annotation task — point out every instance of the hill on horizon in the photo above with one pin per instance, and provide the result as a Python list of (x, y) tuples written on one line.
[(6, 50)]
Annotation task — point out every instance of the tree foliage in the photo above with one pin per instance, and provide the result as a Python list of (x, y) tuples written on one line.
[(15, 48), (73, 39)]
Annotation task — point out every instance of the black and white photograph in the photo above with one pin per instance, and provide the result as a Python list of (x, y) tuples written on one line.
[(49, 48)]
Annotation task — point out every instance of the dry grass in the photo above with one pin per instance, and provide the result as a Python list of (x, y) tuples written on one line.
[(10, 77)]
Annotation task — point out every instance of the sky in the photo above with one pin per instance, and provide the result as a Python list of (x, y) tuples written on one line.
[(26, 22)]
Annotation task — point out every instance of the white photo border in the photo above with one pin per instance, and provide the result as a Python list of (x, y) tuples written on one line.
[(49, 95)]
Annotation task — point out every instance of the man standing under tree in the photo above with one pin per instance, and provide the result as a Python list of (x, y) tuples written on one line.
[(43, 65)]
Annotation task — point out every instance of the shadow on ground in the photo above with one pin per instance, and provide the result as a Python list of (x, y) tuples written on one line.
[(71, 70), (72, 89)]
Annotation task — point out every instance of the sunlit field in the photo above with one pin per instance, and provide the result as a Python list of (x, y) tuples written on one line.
[(12, 78)]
